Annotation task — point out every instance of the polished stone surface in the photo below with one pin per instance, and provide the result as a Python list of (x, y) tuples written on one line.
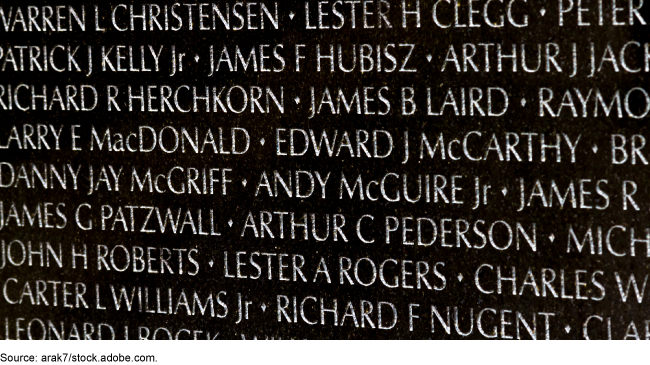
[(405, 176)]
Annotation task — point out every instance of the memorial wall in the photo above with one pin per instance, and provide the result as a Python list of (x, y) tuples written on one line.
[(365, 169)]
